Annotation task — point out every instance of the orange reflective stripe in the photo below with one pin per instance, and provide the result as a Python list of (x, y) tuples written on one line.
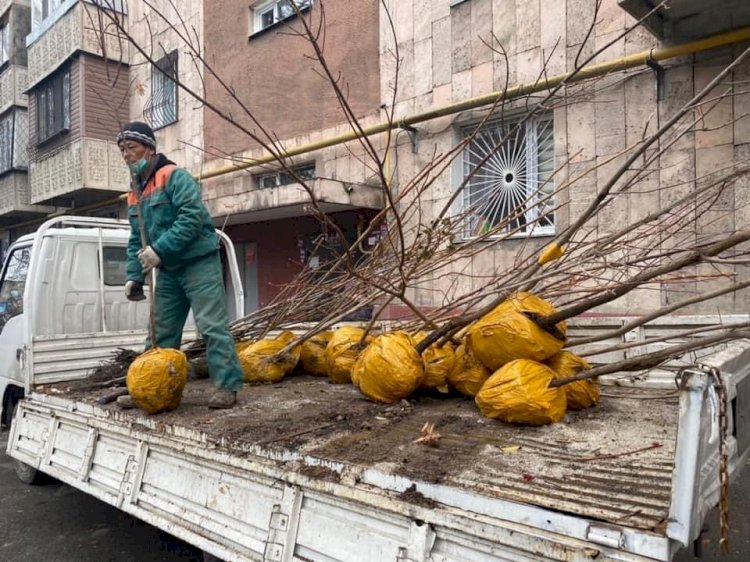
[(132, 199), (159, 180), (163, 173)]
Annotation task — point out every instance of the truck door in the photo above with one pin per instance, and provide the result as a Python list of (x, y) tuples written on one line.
[(12, 318), (233, 281), (247, 261)]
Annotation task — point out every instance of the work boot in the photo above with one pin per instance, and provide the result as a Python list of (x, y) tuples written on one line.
[(125, 402), (222, 399), (198, 369)]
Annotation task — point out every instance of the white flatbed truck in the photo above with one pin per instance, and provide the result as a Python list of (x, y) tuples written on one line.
[(305, 470)]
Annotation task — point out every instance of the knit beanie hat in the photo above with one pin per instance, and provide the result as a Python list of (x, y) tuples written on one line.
[(138, 132)]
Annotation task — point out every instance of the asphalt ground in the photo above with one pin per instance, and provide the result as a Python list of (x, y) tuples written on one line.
[(53, 522)]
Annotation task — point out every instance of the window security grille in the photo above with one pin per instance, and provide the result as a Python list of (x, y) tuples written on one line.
[(6, 143), (511, 187), (161, 107)]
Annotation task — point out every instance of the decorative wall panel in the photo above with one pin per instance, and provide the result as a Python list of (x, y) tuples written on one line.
[(14, 191), (13, 82), (83, 164)]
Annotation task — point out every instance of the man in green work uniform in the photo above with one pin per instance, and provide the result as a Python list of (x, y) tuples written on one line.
[(183, 246)]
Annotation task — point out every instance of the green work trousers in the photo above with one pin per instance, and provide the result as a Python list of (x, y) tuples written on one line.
[(198, 285)]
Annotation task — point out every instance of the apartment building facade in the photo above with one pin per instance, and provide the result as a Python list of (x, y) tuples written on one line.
[(95, 64), (261, 74), (453, 51), (221, 86), (78, 90), (15, 204), (435, 54)]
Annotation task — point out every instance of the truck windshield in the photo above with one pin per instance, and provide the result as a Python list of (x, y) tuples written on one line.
[(13, 284)]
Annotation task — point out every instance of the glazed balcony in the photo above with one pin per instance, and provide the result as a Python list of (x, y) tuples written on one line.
[(58, 38)]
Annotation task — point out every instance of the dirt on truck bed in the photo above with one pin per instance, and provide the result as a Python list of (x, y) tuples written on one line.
[(613, 462)]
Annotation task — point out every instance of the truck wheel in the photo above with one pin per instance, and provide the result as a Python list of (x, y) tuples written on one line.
[(26, 474)]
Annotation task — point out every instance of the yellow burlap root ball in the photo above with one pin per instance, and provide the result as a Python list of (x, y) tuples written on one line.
[(390, 369), (438, 363), (508, 333), (341, 353), (240, 346), (468, 375), (519, 393), (313, 354), (581, 394), (261, 361), (157, 378)]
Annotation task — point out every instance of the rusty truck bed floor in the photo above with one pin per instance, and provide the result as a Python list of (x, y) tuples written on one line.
[(612, 463)]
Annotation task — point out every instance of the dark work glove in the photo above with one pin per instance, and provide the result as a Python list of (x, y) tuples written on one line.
[(134, 291)]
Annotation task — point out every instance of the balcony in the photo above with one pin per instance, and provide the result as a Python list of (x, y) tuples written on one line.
[(89, 170), (14, 200), (12, 86), (688, 20), (73, 31), (287, 201)]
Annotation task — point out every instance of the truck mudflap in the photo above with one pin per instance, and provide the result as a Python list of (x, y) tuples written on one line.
[(276, 505), (696, 481)]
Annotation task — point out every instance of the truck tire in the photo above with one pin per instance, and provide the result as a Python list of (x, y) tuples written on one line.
[(25, 473)]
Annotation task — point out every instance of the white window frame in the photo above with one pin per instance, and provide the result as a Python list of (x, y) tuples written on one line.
[(4, 43), (41, 10), (45, 13), (277, 179), (497, 167), (260, 9)]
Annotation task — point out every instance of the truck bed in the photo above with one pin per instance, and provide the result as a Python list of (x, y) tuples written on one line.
[(612, 463), (306, 470)]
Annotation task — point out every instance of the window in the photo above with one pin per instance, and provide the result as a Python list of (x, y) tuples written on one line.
[(304, 172), (267, 14), (14, 284), (14, 136), (53, 105), (6, 143), (41, 9), (512, 190), (4, 43), (161, 107), (115, 260), (45, 13)]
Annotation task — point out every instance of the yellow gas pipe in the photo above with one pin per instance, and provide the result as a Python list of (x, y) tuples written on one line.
[(624, 63), (631, 61)]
